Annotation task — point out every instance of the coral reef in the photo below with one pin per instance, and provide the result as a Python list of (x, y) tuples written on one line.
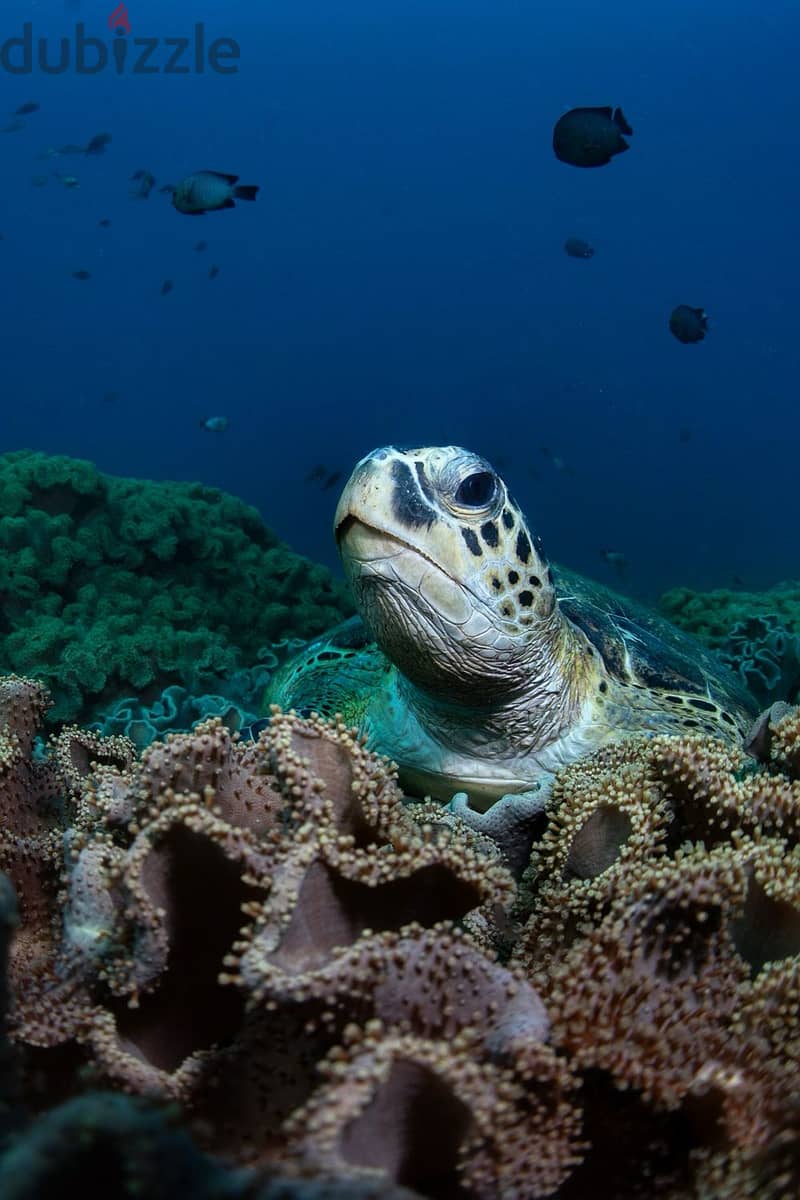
[(330, 988), (112, 587), (757, 634)]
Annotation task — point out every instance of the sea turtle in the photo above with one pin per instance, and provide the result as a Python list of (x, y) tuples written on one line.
[(475, 664)]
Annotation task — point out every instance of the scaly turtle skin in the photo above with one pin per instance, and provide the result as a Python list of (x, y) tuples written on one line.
[(476, 666)]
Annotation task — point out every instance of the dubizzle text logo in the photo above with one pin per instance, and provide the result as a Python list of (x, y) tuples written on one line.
[(87, 54)]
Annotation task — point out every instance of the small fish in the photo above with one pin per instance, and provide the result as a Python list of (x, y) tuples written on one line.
[(615, 559), (39, 180), (738, 581), (684, 434), (104, 223), (316, 473), (557, 461), (214, 424), (213, 272), (97, 144), (590, 137), (331, 480), (201, 246), (81, 275), (25, 110), (146, 182), (12, 126), (167, 287), (578, 248), (207, 191), (69, 181), (688, 324)]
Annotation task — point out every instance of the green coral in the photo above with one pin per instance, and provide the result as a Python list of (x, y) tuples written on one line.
[(110, 586), (757, 634), (712, 615)]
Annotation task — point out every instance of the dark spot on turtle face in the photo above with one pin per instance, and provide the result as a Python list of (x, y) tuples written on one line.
[(603, 686), (513, 577), (703, 705), (535, 581), (674, 699), (326, 656), (408, 505), (424, 482), (727, 718), (489, 533), (496, 584), (508, 520), (690, 723), (523, 546), (506, 610), (472, 542), (526, 599)]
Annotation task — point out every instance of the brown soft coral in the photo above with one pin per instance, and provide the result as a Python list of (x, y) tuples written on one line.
[(434, 1114), (230, 909), (269, 935)]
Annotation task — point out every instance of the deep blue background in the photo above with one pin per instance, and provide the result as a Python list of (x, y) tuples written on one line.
[(401, 276)]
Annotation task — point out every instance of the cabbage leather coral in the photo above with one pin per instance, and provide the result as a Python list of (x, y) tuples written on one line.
[(663, 933), (339, 989), (232, 913)]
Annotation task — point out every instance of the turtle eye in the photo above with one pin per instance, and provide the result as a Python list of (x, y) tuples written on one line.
[(477, 490)]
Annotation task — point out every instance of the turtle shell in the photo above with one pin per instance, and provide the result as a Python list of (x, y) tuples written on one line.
[(640, 647)]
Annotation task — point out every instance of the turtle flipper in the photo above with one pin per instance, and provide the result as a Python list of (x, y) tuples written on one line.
[(334, 674)]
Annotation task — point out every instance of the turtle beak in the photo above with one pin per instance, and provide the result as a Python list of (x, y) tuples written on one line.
[(361, 494)]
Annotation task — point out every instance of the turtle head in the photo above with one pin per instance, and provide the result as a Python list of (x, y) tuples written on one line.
[(445, 572)]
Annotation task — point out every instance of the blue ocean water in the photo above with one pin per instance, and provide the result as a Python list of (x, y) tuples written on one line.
[(401, 276)]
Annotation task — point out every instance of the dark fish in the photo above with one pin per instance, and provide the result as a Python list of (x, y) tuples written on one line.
[(213, 272), (145, 181), (200, 246), (688, 324), (316, 473), (81, 275), (578, 248), (97, 144), (207, 191), (104, 222), (684, 434), (615, 559), (214, 424), (25, 109), (167, 287), (590, 137), (332, 480), (12, 126)]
